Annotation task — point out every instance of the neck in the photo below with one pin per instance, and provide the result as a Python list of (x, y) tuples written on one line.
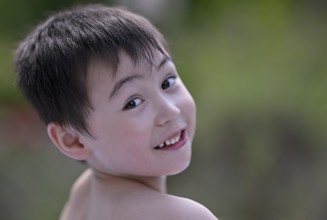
[(157, 183)]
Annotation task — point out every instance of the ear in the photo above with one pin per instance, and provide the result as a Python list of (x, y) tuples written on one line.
[(67, 142)]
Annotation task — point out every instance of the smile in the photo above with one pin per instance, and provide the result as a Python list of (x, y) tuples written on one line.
[(173, 143)]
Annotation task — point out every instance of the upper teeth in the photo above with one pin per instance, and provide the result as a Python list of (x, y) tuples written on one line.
[(171, 141)]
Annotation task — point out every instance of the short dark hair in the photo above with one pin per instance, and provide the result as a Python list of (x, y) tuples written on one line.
[(51, 62)]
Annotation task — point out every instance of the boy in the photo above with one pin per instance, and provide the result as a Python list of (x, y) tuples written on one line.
[(104, 83)]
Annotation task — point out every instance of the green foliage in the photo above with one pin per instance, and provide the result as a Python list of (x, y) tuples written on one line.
[(258, 74), (8, 91)]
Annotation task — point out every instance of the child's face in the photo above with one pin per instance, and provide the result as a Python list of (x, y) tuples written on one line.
[(133, 113)]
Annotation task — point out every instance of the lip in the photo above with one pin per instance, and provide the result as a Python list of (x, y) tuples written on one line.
[(182, 141)]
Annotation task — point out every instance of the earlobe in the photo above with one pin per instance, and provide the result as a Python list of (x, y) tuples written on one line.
[(67, 142)]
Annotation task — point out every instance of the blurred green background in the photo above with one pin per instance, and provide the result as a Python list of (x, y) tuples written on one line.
[(258, 72)]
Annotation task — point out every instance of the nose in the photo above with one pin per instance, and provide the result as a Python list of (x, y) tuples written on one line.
[(167, 111)]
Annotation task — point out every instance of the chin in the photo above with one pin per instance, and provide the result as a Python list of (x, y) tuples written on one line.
[(179, 168)]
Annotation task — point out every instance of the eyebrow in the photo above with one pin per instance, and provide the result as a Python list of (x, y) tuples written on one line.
[(123, 81), (127, 79), (163, 62)]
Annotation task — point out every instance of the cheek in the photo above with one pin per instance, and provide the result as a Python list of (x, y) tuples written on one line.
[(127, 134), (189, 106), (122, 148)]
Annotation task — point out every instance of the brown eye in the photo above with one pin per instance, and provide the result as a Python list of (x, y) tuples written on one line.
[(133, 103), (168, 82)]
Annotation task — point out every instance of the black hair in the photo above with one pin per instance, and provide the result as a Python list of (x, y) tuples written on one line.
[(51, 62)]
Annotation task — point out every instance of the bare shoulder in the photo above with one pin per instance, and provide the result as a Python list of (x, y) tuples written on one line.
[(77, 199), (145, 204), (183, 208), (82, 183)]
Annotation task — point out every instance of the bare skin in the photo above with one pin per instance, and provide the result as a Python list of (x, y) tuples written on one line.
[(127, 198), (143, 123)]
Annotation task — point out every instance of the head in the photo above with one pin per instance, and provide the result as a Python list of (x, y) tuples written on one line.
[(51, 62), (101, 79)]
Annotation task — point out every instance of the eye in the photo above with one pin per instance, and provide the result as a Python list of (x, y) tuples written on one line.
[(133, 103), (168, 82)]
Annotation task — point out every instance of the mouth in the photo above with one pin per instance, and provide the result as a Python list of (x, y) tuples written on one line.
[(173, 143)]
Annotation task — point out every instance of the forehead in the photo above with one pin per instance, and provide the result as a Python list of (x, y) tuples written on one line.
[(99, 70), (125, 63)]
